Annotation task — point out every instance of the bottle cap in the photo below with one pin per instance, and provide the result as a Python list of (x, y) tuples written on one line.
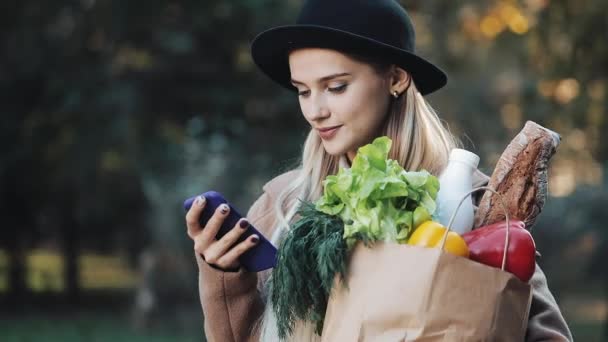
[(464, 156)]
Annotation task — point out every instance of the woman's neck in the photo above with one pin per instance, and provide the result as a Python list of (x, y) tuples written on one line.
[(350, 155), (344, 162)]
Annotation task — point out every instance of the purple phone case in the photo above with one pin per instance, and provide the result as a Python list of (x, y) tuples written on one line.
[(261, 257)]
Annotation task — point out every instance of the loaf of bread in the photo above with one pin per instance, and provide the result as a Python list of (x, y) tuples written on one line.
[(520, 177)]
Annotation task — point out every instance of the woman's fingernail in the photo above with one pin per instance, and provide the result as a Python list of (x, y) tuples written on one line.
[(255, 239), (224, 209), (244, 224), (200, 200)]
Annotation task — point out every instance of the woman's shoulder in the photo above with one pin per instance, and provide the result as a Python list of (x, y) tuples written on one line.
[(278, 183), (261, 212)]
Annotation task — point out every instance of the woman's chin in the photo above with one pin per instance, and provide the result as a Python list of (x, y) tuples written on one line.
[(334, 148)]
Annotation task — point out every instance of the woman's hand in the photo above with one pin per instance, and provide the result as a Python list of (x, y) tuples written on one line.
[(222, 253)]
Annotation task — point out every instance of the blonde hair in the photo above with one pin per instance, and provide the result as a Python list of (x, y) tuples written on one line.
[(420, 141)]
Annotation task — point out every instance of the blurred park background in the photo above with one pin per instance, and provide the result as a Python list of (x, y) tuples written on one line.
[(113, 112)]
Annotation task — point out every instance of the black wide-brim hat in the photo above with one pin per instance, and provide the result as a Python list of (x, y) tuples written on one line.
[(379, 29)]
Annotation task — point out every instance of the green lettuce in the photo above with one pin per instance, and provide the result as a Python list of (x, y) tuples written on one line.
[(376, 198)]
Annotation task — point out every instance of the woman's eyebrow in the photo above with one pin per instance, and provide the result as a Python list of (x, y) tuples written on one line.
[(325, 78)]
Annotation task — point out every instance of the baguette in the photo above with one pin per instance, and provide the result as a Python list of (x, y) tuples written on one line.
[(520, 177)]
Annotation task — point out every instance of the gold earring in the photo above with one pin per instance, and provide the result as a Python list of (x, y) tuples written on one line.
[(395, 94)]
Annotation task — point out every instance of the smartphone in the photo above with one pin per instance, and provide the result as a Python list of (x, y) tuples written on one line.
[(261, 257)]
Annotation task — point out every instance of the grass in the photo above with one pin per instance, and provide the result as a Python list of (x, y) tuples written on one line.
[(90, 328), (98, 327)]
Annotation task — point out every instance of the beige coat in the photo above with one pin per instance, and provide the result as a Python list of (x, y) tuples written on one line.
[(232, 304)]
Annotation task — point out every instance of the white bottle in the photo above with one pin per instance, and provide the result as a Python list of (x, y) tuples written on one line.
[(455, 181)]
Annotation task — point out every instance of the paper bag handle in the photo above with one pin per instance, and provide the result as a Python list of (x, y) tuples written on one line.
[(504, 207)]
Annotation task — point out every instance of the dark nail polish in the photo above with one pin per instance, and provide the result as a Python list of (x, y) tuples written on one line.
[(224, 209), (255, 239), (244, 224)]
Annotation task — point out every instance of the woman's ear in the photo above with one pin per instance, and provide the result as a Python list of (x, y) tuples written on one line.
[(400, 80)]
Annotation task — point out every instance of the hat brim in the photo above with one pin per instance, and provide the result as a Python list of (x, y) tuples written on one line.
[(270, 48)]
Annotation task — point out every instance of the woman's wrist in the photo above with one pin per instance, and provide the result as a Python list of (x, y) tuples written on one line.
[(228, 270)]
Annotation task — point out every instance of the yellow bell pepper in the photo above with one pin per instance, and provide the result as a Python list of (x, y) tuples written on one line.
[(430, 233)]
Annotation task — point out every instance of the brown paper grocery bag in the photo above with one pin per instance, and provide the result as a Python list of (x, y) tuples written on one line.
[(410, 293)]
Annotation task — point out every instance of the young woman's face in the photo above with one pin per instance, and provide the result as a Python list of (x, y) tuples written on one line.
[(338, 93)]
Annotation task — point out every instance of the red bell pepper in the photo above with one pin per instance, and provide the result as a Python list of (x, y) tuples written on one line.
[(487, 243)]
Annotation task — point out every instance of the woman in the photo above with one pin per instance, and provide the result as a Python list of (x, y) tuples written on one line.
[(353, 65)]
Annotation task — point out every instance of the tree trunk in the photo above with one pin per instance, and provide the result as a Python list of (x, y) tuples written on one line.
[(70, 253), (17, 216), (16, 254)]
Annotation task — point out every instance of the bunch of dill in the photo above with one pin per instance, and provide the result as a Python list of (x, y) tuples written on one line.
[(309, 258)]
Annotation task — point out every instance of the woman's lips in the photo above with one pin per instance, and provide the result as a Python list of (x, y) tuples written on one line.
[(328, 133)]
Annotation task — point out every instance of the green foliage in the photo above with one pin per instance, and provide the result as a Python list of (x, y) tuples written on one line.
[(376, 198), (311, 255)]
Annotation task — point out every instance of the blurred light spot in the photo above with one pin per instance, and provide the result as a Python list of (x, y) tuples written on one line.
[(424, 37), (491, 26), (131, 58), (243, 58), (105, 272), (576, 140), (4, 271), (546, 88), (45, 271), (508, 82), (562, 181), (469, 18), (574, 166), (112, 161), (511, 115), (566, 90), (507, 11), (537, 5), (519, 24), (513, 17)]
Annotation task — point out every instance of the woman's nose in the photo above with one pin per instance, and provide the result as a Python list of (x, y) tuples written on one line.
[(318, 109)]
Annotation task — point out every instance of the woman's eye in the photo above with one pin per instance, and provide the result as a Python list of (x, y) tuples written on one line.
[(338, 89), (303, 93)]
